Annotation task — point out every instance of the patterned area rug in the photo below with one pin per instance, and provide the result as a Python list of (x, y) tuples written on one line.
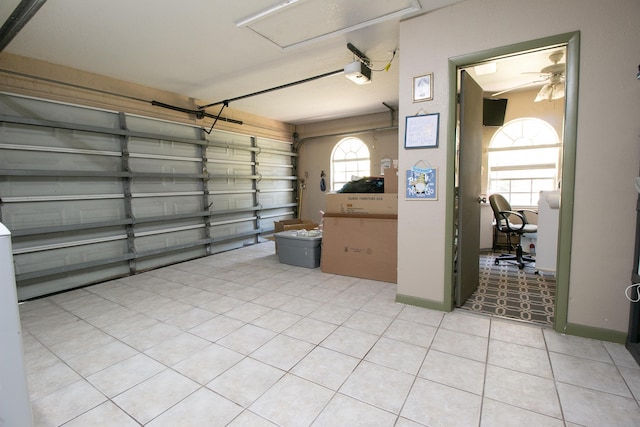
[(506, 291)]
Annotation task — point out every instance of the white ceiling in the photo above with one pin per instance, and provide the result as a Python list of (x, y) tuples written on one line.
[(194, 48), (518, 72)]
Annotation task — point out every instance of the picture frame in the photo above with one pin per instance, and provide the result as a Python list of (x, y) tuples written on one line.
[(422, 131), (421, 184), (423, 88)]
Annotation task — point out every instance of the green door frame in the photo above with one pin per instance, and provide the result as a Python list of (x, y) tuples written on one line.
[(572, 43)]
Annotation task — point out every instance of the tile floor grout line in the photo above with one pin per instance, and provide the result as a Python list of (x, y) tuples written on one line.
[(378, 302)]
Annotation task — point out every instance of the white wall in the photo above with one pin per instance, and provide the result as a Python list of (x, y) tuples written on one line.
[(607, 148)]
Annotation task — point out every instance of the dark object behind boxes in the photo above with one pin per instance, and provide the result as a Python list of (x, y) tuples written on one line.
[(302, 250), (364, 185), (363, 246), (374, 184)]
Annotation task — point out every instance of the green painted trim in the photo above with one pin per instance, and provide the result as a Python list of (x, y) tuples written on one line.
[(572, 42), (596, 333), (567, 195), (421, 302), (450, 194)]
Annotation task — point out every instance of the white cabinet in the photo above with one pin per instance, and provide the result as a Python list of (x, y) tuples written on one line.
[(15, 406), (548, 218), (486, 226)]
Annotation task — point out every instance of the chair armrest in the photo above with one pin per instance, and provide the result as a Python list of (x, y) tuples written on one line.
[(508, 225)]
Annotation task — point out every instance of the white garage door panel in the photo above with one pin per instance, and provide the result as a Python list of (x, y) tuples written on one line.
[(271, 215), (143, 229), (241, 183), (153, 165), (66, 256), (42, 160), (59, 187), (274, 199), (230, 138), (35, 243), (225, 202), (148, 263), (32, 288), (169, 239), (275, 164), (92, 195), (162, 127), (278, 172), (19, 106), (145, 207), (231, 154), (52, 139), (142, 186), (232, 229), (163, 148), (51, 214), (225, 176), (222, 219), (271, 184)]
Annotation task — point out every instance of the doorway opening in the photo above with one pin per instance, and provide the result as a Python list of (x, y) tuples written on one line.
[(522, 161), (506, 289)]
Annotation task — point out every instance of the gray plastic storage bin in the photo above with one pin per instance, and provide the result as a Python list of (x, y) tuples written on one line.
[(299, 247)]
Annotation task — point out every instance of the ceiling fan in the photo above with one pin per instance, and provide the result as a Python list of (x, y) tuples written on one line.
[(553, 75)]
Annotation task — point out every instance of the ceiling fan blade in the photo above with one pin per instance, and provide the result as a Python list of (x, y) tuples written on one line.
[(518, 87)]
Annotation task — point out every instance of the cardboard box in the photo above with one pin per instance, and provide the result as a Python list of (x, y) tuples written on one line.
[(302, 250), (363, 246), (391, 180), (294, 224), (362, 203)]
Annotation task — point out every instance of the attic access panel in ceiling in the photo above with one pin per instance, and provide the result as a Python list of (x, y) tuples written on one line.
[(298, 22)]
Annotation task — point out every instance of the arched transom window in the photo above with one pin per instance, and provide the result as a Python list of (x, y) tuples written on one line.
[(523, 160), (349, 159)]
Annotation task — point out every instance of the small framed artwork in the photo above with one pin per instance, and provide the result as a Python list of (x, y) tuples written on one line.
[(423, 88), (421, 184), (422, 131), (385, 163)]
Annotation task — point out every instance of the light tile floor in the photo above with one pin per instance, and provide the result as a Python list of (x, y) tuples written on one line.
[(239, 339)]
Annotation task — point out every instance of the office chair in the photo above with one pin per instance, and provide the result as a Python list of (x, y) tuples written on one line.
[(501, 212)]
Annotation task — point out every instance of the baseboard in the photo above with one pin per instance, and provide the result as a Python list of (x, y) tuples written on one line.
[(596, 333), (421, 302)]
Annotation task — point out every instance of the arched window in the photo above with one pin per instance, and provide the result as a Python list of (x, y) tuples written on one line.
[(523, 160), (349, 158)]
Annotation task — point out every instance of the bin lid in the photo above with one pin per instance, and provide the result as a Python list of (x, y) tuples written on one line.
[(300, 234)]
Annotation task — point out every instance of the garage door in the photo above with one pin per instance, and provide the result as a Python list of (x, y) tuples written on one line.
[(90, 195)]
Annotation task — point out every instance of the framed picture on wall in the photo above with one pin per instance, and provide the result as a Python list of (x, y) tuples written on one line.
[(421, 184), (423, 88), (421, 131)]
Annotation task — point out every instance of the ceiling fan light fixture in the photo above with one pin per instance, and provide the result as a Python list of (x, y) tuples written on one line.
[(558, 91), (544, 94), (550, 92)]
